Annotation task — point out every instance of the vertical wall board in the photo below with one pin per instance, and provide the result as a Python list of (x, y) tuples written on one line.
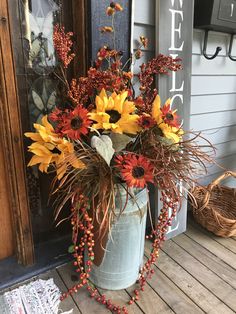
[(122, 23), (174, 25)]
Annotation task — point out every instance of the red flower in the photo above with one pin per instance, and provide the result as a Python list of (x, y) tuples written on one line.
[(169, 116), (75, 123), (146, 122), (56, 115), (136, 170)]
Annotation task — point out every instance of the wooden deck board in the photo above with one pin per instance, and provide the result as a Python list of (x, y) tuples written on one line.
[(229, 243), (200, 295), (205, 276), (178, 301), (211, 261), (121, 298), (196, 273), (150, 302), (83, 301), (211, 245)]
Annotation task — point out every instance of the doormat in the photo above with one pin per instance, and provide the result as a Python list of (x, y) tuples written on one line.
[(37, 297)]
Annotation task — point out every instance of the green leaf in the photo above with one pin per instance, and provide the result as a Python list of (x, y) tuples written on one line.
[(71, 249)]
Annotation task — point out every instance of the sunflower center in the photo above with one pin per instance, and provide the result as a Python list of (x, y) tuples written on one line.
[(138, 172), (114, 116), (76, 123), (169, 116)]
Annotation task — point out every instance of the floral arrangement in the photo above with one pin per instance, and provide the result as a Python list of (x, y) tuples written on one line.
[(101, 135)]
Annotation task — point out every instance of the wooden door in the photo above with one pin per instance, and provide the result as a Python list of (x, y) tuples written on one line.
[(14, 217)]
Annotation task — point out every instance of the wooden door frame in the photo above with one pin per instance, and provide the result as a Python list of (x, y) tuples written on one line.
[(13, 145)]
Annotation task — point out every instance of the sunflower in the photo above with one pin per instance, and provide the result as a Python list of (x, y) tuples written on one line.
[(49, 148), (171, 133), (115, 113), (136, 170), (75, 123)]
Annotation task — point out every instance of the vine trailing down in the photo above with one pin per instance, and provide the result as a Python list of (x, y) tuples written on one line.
[(100, 136)]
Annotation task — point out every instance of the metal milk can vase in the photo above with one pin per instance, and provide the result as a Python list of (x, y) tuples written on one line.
[(123, 250)]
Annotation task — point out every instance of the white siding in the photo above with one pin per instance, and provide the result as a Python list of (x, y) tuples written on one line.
[(144, 25), (213, 103)]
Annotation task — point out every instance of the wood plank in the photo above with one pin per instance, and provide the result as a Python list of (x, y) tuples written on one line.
[(213, 85), (207, 301), (213, 120), (222, 150), (208, 259), (121, 298), (147, 31), (144, 14), (212, 103), (82, 298), (217, 66), (80, 30), (68, 303), (150, 300), (211, 245), (220, 135), (177, 300), (206, 277), (6, 230), (208, 179), (229, 243)]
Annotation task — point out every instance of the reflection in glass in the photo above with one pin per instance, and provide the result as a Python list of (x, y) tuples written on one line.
[(39, 19)]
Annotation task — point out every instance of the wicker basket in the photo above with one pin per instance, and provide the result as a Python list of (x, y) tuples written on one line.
[(214, 207)]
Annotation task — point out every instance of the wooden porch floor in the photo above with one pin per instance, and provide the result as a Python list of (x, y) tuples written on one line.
[(196, 273)]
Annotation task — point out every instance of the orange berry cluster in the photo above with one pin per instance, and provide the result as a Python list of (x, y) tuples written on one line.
[(62, 44)]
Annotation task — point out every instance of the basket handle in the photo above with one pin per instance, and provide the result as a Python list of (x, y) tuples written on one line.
[(213, 184)]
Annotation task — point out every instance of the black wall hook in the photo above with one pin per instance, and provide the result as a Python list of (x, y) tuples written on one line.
[(230, 48), (218, 49)]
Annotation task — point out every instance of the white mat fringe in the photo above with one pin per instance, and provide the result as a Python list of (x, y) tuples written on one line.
[(37, 297)]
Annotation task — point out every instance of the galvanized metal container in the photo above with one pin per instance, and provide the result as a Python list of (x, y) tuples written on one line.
[(124, 249)]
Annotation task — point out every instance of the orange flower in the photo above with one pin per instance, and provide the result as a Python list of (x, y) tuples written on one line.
[(136, 170), (110, 11), (144, 41), (146, 121), (75, 123), (169, 116), (118, 7), (107, 29), (138, 54)]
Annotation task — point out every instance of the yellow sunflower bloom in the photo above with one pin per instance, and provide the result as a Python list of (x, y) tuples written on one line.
[(156, 108), (115, 113), (171, 133), (48, 148)]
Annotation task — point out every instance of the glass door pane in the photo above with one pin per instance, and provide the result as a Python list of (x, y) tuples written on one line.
[(32, 38)]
